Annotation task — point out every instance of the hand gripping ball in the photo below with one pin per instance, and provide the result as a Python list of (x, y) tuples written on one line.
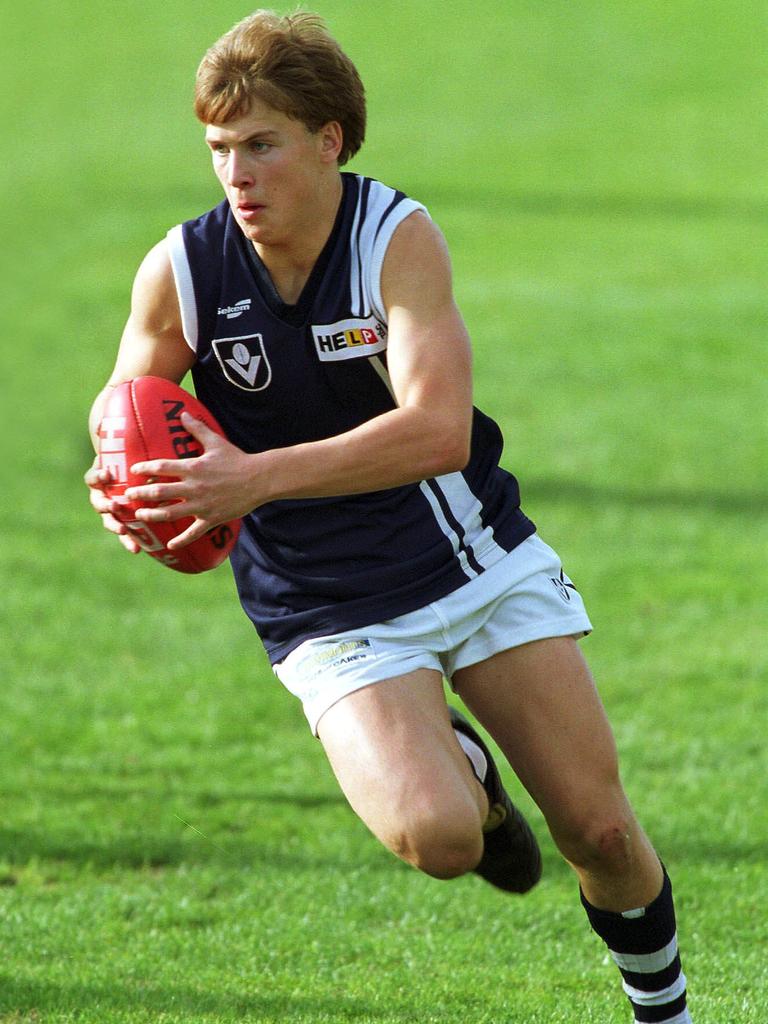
[(142, 420)]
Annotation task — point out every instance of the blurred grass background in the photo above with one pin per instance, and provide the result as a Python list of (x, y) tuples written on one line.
[(172, 846)]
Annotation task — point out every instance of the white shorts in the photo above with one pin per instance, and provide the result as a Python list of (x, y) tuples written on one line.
[(525, 596)]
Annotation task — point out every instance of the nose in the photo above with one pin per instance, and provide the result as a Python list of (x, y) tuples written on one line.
[(239, 174)]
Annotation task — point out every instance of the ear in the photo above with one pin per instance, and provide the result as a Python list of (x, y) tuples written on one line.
[(331, 141)]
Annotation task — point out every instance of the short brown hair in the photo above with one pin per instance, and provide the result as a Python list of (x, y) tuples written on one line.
[(292, 64)]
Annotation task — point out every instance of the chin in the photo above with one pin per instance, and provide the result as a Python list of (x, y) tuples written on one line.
[(251, 231)]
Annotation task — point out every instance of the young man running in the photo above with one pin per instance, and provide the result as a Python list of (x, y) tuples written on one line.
[(382, 548)]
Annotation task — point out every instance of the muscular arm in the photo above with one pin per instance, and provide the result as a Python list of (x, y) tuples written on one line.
[(153, 340), (152, 343), (428, 357)]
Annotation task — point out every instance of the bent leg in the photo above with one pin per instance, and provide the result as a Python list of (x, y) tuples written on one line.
[(540, 704), (396, 757)]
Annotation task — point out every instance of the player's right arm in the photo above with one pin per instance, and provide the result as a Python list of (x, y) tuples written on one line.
[(152, 344)]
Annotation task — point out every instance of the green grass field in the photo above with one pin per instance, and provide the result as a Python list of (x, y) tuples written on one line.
[(173, 847)]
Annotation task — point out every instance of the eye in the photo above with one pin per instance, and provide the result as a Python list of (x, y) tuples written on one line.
[(260, 147)]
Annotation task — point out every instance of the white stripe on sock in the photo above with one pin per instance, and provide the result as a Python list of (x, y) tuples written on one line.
[(658, 998), (647, 963)]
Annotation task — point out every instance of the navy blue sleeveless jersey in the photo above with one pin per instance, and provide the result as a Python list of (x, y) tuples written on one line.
[(277, 375)]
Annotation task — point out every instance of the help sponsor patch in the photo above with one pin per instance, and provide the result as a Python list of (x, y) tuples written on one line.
[(348, 339)]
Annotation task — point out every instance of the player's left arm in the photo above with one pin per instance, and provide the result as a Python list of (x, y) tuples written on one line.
[(429, 365), (426, 435)]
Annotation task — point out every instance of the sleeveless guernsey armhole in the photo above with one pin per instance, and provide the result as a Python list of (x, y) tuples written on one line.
[(185, 289), (383, 237)]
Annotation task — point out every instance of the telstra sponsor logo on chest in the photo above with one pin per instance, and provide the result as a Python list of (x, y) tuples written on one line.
[(236, 310)]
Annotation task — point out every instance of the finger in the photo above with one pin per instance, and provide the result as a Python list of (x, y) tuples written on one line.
[(113, 524), (101, 502), (199, 430), (129, 543), (123, 533), (162, 467), (96, 477), (197, 529), (156, 492), (164, 513)]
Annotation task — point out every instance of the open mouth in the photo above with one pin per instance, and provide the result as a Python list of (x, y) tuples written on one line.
[(249, 210)]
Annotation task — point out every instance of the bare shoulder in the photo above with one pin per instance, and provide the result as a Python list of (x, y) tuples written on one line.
[(417, 263), (153, 338), (419, 229), (154, 302), (420, 242)]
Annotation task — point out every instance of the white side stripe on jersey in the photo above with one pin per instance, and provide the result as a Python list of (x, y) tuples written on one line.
[(354, 264), (369, 239), (404, 209), (185, 290), (465, 508), (378, 202), (457, 513), (448, 530), (459, 508)]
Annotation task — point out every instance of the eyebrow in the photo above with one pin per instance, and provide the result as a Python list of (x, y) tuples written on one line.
[(260, 136)]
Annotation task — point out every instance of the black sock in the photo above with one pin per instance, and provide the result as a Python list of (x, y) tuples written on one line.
[(643, 944)]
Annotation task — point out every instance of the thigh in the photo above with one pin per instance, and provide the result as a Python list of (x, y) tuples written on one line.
[(540, 704), (393, 750)]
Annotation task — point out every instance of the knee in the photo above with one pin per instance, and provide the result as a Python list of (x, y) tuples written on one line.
[(441, 847), (604, 843)]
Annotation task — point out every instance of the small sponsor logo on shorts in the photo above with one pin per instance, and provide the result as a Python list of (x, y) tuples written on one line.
[(562, 585), (343, 653)]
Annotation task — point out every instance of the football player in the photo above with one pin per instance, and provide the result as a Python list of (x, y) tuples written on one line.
[(383, 548)]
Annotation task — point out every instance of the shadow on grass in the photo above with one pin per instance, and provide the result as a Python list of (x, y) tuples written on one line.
[(156, 851), (600, 495), (130, 790), (92, 1002), (136, 848), (708, 850)]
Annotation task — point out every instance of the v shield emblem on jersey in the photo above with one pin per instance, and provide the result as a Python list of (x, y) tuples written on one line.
[(244, 361)]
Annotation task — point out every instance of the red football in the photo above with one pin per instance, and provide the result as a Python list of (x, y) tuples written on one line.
[(142, 420)]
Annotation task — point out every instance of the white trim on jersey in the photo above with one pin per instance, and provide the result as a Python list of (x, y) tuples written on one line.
[(354, 264), (473, 542), (371, 239), (475, 546), (405, 209), (185, 290), (448, 530)]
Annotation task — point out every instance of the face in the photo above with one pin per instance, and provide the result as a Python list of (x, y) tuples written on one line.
[(275, 173)]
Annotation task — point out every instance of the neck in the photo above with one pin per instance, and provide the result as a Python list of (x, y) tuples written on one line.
[(290, 262)]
